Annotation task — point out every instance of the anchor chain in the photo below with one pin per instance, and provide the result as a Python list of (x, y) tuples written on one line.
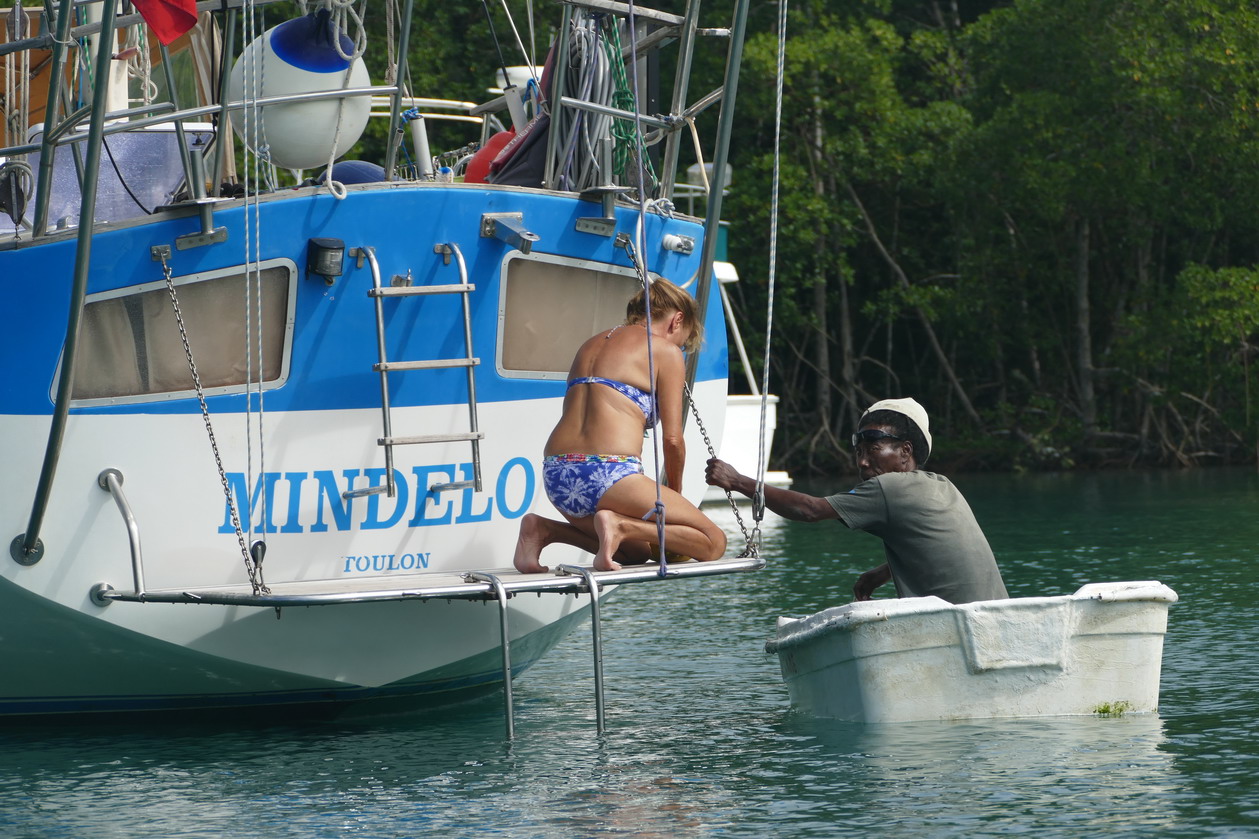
[(252, 567), (754, 539)]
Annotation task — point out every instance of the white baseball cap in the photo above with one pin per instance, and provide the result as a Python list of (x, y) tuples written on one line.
[(909, 408)]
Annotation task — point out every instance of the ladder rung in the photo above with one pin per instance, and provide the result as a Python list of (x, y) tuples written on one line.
[(360, 493), (412, 290), (454, 486), (430, 438), (434, 364)]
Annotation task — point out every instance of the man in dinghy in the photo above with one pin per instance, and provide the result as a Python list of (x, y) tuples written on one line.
[(593, 470), (932, 542)]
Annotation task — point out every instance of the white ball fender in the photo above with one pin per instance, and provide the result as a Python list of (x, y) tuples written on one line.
[(299, 56)]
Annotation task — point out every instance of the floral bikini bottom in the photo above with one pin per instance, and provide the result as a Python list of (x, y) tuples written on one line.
[(576, 482)]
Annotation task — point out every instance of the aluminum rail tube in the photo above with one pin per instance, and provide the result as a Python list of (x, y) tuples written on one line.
[(464, 590), (27, 549), (386, 421), (395, 110), (473, 424), (45, 40), (166, 113), (181, 138), (111, 481), (223, 129), (596, 108), (681, 82), (43, 188), (725, 128)]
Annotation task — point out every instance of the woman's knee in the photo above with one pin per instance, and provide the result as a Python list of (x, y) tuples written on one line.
[(718, 539)]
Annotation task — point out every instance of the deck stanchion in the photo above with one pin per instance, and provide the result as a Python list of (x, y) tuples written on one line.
[(401, 71), (596, 630), (43, 184)]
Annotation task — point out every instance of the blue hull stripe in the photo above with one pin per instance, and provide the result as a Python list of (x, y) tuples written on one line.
[(334, 331)]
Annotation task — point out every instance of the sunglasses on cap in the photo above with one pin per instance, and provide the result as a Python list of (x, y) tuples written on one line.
[(873, 435)]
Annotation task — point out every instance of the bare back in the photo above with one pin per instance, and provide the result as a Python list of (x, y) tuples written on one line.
[(600, 420)]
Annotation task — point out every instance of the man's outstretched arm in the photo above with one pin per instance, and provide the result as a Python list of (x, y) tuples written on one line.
[(787, 503)]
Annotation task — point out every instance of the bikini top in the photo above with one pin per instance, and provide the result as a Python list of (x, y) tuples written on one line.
[(641, 398)]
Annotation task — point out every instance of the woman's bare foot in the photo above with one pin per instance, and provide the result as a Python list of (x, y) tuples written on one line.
[(529, 545), (608, 526)]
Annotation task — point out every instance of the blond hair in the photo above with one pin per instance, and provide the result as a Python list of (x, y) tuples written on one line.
[(666, 298)]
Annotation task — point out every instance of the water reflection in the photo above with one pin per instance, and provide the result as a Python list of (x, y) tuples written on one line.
[(701, 740), (947, 778)]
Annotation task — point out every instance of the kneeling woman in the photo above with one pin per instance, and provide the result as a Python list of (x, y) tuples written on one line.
[(593, 459)]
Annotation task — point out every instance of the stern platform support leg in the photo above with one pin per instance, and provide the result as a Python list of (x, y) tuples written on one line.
[(500, 593), (597, 633)]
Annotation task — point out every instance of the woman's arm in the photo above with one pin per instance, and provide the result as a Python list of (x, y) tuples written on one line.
[(670, 377)]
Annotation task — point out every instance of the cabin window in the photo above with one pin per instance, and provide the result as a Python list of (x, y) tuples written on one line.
[(550, 305), (130, 349)]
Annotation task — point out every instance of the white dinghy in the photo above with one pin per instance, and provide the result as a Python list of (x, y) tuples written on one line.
[(1099, 650)]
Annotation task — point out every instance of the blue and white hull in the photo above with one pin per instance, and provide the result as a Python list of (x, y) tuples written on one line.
[(293, 449)]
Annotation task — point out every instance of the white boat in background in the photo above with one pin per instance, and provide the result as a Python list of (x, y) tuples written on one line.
[(743, 438), (319, 403), (1097, 651), (739, 442)]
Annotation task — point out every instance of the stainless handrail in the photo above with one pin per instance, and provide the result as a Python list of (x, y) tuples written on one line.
[(473, 424), (110, 480), (386, 421)]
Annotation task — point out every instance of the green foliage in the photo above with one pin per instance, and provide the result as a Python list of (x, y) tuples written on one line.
[(1223, 304), (940, 166), (979, 148)]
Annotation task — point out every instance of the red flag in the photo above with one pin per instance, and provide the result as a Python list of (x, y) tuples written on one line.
[(167, 19)]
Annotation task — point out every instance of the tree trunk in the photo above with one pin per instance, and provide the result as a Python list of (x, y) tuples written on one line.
[(847, 352), (821, 344), (1084, 335), (941, 358)]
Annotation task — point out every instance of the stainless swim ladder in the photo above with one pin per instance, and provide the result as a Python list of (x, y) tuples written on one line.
[(384, 367)]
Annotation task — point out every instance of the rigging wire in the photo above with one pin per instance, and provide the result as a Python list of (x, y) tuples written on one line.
[(758, 508), (255, 76), (526, 54), (117, 171), (641, 195), (498, 47)]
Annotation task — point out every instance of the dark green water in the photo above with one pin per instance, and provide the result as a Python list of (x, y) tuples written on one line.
[(701, 741)]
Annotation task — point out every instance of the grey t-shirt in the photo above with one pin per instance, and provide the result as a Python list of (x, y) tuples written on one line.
[(932, 541)]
